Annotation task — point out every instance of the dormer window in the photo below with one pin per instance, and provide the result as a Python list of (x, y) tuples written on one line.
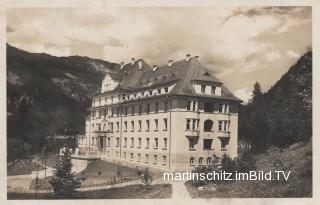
[(203, 88), (213, 90)]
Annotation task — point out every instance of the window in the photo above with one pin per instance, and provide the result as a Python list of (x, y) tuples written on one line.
[(118, 142), (164, 159), (125, 142), (224, 142), (220, 125), (132, 110), (148, 143), (191, 161), (140, 127), (200, 160), (221, 106), (148, 108), (132, 126), (99, 114), (165, 107), (124, 155), (105, 112), (150, 92), (111, 98), (159, 91), (118, 126), (156, 123), (156, 107), (140, 109), (155, 159), (99, 101), (108, 141), (188, 105), (213, 90), (209, 160), (132, 142), (147, 157), (156, 143), (166, 89), (117, 153), (207, 143), (188, 124), (125, 111), (139, 157), (118, 112), (165, 122), (125, 126), (208, 126), (203, 88), (224, 125), (208, 107), (192, 143), (148, 125), (131, 156), (111, 128), (139, 142), (165, 140), (194, 106), (193, 124)]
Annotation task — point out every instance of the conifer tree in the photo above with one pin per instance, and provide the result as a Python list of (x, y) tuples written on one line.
[(63, 182)]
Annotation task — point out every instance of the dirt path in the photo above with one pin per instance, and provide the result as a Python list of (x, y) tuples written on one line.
[(179, 190)]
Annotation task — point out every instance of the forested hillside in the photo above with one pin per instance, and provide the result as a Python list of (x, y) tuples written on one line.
[(282, 115), (47, 95)]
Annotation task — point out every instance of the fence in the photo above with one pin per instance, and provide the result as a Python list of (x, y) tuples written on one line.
[(82, 189)]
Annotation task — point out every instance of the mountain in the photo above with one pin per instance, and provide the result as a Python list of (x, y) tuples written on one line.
[(283, 115), (48, 95)]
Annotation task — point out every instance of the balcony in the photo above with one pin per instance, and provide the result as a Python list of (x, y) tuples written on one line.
[(192, 133), (223, 133)]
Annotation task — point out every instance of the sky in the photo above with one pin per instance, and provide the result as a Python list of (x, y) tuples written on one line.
[(240, 45)]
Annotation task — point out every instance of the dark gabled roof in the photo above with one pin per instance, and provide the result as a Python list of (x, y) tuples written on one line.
[(181, 72)]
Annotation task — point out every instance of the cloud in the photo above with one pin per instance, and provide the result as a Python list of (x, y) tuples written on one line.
[(272, 55), (230, 41), (293, 54), (244, 94)]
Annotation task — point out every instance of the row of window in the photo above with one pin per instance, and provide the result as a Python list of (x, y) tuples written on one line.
[(139, 157), (129, 110), (208, 106), (123, 97), (139, 145), (209, 161), (193, 124), (132, 125), (207, 143)]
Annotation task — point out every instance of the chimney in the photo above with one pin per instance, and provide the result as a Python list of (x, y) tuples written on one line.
[(196, 57), (140, 64), (170, 62), (132, 61), (155, 67), (121, 65), (188, 56)]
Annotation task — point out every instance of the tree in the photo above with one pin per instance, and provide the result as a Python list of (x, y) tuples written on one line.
[(146, 177), (63, 182)]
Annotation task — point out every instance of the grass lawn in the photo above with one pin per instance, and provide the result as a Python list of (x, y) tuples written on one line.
[(99, 172), (297, 158), (158, 191), (26, 166), (22, 167)]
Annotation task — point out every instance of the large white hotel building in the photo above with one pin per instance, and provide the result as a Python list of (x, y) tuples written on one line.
[(171, 117)]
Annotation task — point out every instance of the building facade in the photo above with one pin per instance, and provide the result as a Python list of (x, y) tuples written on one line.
[(171, 117)]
